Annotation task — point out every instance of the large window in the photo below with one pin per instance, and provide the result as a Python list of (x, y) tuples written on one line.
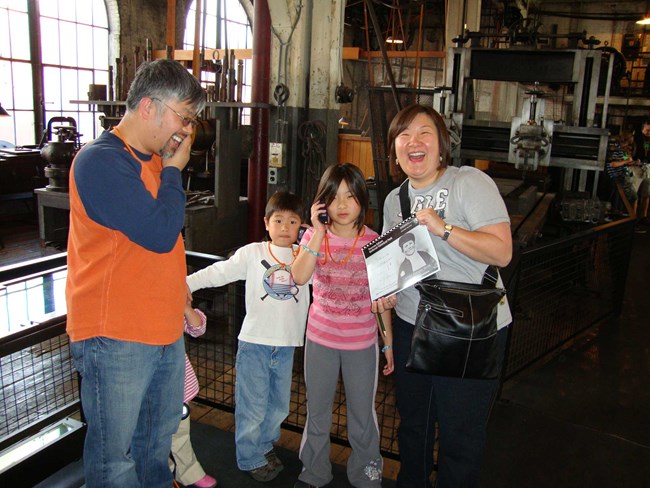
[(74, 55), (222, 25)]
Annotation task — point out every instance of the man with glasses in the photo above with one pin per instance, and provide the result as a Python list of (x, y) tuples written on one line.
[(126, 279)]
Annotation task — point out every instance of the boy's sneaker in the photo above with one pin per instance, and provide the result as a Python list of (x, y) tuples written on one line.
[(274, 460), (265, 473), (302, 484)]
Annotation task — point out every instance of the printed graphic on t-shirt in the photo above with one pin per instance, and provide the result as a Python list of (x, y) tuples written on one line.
[(278, 282), (438, 202), (336, 300)]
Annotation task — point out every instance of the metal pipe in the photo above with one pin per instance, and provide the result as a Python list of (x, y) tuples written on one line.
[(110, 84), (33, 18), (455, 81), (258, 167), (196, 52), (382, 46), (240, 79), (608, 87), (586, 85)]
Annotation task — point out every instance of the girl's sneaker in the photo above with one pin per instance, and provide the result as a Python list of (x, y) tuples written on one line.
[(206, 482)]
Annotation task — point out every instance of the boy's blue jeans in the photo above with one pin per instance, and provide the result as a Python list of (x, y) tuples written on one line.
[(132, 398), (262, 393)]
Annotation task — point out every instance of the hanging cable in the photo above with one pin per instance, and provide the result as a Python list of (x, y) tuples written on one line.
[(311, 133), (281, 92)]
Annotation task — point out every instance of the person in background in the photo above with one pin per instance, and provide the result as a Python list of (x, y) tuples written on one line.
[(125, 289), (642, 155), (619, 169), (276, 314), (469, 225), (341, 331), (186, 468)]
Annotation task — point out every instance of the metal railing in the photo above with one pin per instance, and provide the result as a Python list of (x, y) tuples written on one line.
[(556, 291)]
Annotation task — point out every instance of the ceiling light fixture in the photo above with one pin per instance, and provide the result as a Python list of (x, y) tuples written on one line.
[(645, 20), (394, 40)]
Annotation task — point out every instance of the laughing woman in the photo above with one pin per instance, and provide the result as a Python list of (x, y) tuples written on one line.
[(469, 226)]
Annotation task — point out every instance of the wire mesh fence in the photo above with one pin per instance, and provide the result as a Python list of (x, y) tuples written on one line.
[(565, 287), (557, 291), (36, 382), (560, 290)]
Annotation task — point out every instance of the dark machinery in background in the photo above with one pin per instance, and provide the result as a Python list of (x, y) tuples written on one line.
[(533, 154), (572, 149), (59, 153), (573, 142), (215, 177)]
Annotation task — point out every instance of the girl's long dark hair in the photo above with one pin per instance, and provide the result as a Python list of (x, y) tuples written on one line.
[(352, 175)]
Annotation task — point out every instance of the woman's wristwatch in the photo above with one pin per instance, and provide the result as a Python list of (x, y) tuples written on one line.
[(448, 229)]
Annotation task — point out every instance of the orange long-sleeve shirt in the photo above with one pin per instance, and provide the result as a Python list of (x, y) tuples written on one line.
[(117, 288)]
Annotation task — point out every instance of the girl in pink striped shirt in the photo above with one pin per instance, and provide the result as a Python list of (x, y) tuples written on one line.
[(342, 333)]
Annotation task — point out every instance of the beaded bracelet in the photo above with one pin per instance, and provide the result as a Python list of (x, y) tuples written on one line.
[(312, 252), (383, 349)]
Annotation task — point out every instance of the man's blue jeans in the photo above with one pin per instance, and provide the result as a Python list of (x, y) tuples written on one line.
[(262, 393), (132, 398)]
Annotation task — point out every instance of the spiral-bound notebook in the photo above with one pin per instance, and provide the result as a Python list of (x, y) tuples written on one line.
[(400, 258)]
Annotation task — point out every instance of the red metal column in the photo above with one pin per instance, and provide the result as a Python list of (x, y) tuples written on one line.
[(258, 164)]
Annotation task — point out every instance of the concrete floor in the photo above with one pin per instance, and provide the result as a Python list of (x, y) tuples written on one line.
[(581, 418), (577, 419)]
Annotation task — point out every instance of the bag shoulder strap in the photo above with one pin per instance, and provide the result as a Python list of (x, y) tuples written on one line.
[(404, 200), (491, 275)]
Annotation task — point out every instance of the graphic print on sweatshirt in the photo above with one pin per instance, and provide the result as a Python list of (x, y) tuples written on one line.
[(436, 201), (278, 282)]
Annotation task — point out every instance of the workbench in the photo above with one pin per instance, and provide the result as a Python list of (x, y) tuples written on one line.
[(53, 215)]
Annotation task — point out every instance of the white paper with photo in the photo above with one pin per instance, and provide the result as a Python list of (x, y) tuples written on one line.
[(400, 258)]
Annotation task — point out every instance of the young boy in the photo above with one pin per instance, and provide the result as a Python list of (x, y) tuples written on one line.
[(276, 315)]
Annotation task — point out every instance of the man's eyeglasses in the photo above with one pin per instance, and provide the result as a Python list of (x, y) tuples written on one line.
[(184, 120)]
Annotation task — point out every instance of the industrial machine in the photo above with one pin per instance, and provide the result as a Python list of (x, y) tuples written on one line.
[(497, 108), (59, 153), (526, 108), (529, 139), (217, 210)]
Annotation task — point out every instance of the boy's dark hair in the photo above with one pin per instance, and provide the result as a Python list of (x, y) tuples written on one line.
[(352, 175), (284, 200)]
